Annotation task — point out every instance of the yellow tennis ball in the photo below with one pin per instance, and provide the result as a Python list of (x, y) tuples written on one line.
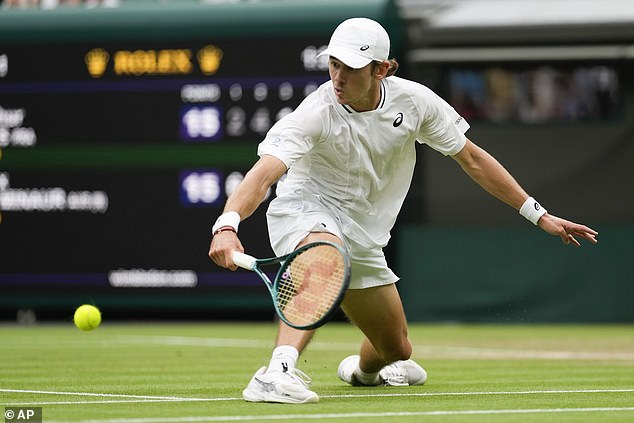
[(87, 317)]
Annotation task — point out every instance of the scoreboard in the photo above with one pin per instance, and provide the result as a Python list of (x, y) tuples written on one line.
[(118, 152), (152, 93)]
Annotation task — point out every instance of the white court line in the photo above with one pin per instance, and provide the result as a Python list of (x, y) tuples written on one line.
[(421, 350), (326, 416), (94, 394), (196, 341), (438, 394), (500, 353), (125, 398), (150, 398), (130, 401)]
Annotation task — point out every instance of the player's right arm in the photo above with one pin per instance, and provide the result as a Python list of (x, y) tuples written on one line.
[(246, 198)]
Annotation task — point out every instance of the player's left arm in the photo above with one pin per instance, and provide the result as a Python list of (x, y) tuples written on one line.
[(497, 181)]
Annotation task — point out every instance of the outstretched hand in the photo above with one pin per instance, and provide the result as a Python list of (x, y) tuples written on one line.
[(566, 230)]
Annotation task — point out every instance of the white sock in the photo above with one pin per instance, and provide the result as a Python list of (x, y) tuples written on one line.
[(283, 358), (370, 379)]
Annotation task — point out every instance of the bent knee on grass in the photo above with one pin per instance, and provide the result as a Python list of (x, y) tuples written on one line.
[(378, 312)]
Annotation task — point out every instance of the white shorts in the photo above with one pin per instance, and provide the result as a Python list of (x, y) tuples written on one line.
[(291, 221)]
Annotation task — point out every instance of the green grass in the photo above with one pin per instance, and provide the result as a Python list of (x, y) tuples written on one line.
[(477, 373)]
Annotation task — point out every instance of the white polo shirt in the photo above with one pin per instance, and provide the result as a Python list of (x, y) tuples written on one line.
[(360, 164)]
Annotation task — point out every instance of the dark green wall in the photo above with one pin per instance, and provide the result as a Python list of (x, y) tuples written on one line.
[(184, 20), (515, 275)]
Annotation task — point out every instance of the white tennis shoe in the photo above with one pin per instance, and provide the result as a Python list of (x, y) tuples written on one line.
[(403, 373), (399, 373), (346, 371), (289, 387)]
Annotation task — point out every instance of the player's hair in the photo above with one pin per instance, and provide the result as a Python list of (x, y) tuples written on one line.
[(393, 66)]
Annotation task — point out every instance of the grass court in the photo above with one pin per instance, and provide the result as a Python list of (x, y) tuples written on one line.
[(195, 372)]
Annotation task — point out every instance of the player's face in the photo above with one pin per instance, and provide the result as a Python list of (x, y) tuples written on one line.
[(356, 88)]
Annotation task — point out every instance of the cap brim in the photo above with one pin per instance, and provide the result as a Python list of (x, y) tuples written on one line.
[(349, 58)]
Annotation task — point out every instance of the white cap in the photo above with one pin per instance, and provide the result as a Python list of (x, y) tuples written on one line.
[(359, 41)]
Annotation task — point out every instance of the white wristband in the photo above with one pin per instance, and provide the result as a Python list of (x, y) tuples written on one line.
[(231, 219), (532, 210)]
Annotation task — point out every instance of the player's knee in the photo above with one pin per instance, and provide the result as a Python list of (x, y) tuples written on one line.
[(399, 351)]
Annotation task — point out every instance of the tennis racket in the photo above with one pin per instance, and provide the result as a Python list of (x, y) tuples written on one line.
[(309, 285)]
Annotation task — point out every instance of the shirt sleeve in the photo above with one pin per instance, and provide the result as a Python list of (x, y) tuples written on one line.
[(295, 134), (442, 128)]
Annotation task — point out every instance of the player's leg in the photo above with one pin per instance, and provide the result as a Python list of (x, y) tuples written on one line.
[(378, 312), (290, 342), (384, 355), (281, 381)]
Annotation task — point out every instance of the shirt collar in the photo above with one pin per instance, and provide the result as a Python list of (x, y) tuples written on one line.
[(381, 101)]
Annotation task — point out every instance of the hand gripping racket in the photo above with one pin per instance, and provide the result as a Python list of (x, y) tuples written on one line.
[(309, 285)]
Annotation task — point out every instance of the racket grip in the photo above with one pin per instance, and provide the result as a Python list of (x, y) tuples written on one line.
[(243, 260)]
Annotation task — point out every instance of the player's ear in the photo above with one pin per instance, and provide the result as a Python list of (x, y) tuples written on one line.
[(380, 69)]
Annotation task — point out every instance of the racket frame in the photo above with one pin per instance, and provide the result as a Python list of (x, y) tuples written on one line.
[(253, 264)]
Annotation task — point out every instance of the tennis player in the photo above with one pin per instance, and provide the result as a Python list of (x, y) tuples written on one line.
[(343, 163)]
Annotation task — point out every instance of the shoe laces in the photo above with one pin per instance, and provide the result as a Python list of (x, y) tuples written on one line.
[(394, 375), (299, 376)]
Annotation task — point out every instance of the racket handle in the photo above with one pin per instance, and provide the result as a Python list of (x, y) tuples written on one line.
[(243, 260)]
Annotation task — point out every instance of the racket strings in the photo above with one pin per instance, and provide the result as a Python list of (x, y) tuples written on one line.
[(311, 284)]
